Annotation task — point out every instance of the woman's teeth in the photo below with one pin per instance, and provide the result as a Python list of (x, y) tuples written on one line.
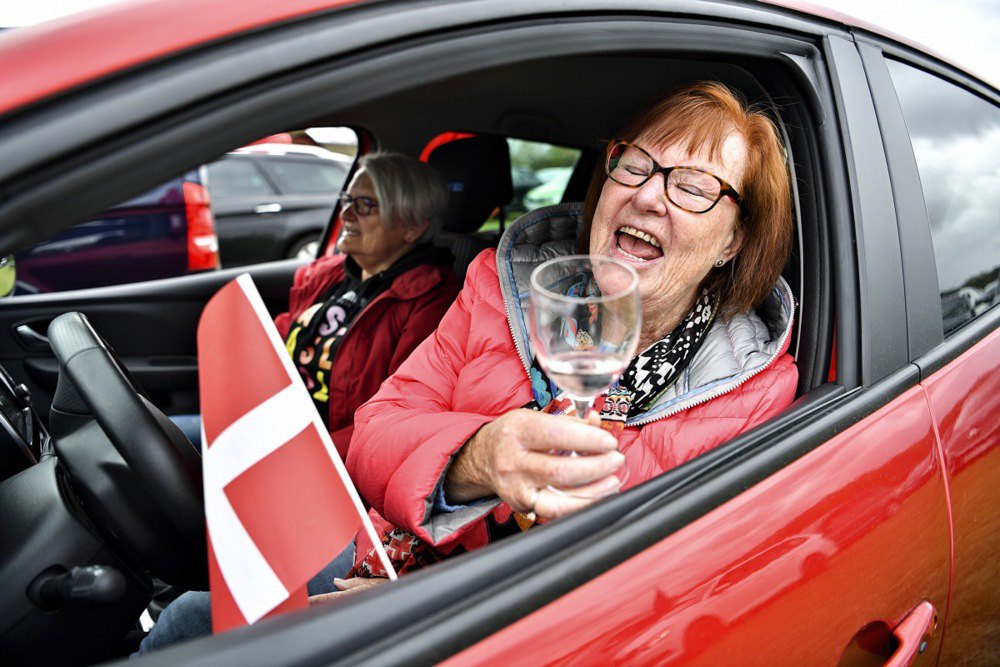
[(637, 246), (640, 235)]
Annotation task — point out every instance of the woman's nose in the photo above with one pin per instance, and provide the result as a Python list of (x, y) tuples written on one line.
[(651, 196)]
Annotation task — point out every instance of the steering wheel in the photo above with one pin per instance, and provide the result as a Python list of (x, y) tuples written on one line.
[(138, 477)]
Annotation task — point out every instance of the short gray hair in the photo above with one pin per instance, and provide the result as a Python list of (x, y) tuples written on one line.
[(409, 192)]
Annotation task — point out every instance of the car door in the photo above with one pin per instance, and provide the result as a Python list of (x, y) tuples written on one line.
[(246, 205), (949, 173), (150, 325)]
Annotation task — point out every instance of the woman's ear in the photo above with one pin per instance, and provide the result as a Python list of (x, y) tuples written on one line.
[(735, 243), (413, 233)]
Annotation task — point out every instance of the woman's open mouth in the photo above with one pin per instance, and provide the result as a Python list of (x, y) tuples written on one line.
[(637, 246)]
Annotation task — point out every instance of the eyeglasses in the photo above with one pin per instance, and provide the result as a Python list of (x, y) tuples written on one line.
[(689, 188), (362, 205)]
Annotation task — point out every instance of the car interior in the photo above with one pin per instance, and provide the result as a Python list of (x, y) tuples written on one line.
[(135, 520)]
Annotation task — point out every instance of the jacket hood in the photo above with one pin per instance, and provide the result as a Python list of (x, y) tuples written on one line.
[(734, 349)]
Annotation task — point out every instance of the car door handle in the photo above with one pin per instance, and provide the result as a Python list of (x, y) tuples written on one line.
[(913, 634), (267, 208), (32, 340)]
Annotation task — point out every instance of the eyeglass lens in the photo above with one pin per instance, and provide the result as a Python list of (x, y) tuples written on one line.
[(690, 189), (362, 205)]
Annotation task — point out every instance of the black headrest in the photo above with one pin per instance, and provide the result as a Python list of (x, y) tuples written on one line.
[(476, 171)]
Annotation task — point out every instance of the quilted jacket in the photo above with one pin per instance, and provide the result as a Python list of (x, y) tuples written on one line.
[(381, 337), (474, 368)]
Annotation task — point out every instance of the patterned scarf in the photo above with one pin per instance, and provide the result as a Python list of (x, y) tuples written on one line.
[(650, 374)]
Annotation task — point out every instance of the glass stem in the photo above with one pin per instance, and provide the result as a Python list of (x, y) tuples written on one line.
[(583, 406)]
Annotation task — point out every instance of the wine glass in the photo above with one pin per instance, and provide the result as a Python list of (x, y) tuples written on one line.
[(584, 317)]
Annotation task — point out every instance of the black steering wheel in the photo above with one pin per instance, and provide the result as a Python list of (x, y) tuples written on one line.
[(137, 475)]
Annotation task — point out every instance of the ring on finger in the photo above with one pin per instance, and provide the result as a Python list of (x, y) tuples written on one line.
[(531, 515)]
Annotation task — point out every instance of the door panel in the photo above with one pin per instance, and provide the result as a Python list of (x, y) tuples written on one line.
[(853, 535), (151, 326), (965, 402)]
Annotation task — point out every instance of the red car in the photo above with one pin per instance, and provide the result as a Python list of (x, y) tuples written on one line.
[(857, 527)]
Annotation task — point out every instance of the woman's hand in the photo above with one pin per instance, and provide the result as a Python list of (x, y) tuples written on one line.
[(512, 458), (348, 587)]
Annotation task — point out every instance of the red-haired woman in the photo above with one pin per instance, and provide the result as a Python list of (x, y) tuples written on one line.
[(695, 195)]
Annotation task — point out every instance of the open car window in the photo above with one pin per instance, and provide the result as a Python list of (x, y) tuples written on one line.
[(264, 202)]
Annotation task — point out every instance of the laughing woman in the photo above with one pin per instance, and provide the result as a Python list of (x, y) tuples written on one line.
[(455, 447)]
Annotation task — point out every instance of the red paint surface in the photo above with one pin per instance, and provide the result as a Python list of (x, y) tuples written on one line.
[(965, 401), (787, 573), (59, 55)]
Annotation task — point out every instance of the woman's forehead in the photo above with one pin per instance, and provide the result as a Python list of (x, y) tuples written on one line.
[(362, 181)]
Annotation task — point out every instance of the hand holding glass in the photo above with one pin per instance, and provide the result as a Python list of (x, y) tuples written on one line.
[(585, 316)]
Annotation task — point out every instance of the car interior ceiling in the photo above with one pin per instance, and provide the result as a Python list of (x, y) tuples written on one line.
[(543, 107)]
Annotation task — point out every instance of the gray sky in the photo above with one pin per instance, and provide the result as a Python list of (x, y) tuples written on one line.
[(965, 31)]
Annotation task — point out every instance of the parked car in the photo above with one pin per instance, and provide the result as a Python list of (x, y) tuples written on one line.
[(272, 201), (165, 232), (856, 526)]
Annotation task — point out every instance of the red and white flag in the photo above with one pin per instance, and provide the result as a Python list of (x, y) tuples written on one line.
[(279, 503)]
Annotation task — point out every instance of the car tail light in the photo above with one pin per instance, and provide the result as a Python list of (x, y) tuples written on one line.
[(203, 244)]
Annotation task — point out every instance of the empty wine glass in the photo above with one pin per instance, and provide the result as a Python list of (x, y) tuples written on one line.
[(585, 316)]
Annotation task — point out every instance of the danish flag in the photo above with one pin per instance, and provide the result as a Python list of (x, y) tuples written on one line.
[(279, 503)]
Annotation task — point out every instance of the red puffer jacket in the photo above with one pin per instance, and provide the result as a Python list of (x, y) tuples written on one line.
[(474, 369), (382, 336)]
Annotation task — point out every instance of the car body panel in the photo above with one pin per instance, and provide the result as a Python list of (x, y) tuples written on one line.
[(965, 400), (143, 31), (861, 522)]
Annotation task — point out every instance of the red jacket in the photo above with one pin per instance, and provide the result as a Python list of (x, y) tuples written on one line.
[(381, 337), (470, 371)]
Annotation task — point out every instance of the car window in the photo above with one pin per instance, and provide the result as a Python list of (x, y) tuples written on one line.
[(233, 211), (958, 157), (540, 173), (307, 175), (236, 177)]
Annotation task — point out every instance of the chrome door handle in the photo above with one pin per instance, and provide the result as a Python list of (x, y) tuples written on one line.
[(913, 634), (267, 208)]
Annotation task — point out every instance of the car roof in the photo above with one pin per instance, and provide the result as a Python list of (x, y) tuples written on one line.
[(146, 30)]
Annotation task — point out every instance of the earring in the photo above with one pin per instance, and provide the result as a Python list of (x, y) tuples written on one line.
[(719, 263)]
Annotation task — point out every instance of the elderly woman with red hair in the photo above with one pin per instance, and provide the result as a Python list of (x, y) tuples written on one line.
[(456, 447)]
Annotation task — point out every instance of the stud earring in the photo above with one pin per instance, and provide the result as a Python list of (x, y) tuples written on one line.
[(719, 263)]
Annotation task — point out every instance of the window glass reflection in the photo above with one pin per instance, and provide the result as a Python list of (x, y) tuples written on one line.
[(956, 142)]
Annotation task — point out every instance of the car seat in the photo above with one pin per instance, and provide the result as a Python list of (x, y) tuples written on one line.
[(476, 171)]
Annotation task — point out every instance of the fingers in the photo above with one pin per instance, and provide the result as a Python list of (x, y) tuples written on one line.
[(548, 433), (553, 503), (348, 587), (564, 471)]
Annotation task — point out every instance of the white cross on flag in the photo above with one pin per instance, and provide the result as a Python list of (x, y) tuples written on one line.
[(279, 503)]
